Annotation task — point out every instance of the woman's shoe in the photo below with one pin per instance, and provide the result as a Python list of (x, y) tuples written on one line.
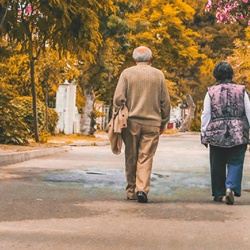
[(229, 197), (218, 198)]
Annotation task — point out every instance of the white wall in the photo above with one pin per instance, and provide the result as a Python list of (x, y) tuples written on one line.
[(69, 119)]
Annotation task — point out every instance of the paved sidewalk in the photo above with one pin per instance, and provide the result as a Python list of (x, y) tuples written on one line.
[(10, 156), (7, 158), (76, 201)]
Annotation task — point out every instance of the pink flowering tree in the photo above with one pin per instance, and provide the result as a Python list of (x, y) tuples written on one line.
[(229, 11)]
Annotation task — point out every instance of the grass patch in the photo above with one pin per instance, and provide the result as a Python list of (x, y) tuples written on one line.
[(55, 141), (63, 139), (173, 131)]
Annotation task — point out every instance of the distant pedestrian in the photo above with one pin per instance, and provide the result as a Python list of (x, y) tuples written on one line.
[(225, 127), (142, 88)]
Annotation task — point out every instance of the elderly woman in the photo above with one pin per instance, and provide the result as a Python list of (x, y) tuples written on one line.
[(225, 127)]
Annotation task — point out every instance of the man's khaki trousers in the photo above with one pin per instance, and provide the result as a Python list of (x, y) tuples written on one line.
[(141, 142)]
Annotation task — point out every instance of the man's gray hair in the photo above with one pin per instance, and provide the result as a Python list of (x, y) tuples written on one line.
[(142, 54)]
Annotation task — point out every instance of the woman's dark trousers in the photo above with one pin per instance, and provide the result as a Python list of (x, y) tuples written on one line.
[(226, 165)]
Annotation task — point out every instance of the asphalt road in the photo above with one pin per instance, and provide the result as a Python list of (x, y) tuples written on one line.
[(76, 200)]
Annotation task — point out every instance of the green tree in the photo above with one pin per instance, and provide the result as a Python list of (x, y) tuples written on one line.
[(51, 70), (71, 26), (240, 60), (215, 40), (99, 78)]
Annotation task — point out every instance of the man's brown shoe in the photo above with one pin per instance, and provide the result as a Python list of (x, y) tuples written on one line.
[(142, 197), (218, 198)]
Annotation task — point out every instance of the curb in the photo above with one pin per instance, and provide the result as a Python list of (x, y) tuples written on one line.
[(93, 143), (16, 157)]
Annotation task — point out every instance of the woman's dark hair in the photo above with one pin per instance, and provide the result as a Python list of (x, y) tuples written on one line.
[(223, 71)]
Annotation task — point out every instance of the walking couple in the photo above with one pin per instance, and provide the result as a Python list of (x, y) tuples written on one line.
[(224, 125)]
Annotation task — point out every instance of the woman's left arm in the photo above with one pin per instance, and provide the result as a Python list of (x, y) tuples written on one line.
[(206, 114)]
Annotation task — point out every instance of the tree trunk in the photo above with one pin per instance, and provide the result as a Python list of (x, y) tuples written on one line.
[(46, 107), (3, 19), (185, 126), (88, 122), (33, 84)]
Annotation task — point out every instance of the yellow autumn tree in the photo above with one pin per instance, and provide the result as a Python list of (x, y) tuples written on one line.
[(161, 25), (164, 27)]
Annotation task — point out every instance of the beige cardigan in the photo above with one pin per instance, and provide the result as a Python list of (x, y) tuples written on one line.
[(114, 129), (143, 88)]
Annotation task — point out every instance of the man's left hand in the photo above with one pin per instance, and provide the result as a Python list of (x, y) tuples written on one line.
[(162, 129)]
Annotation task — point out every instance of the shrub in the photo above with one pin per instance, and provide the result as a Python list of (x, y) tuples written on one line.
[(12, 128), (52, 120), (25, 107)]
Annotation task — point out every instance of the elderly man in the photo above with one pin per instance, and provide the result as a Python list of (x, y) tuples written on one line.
[(142, 88)]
